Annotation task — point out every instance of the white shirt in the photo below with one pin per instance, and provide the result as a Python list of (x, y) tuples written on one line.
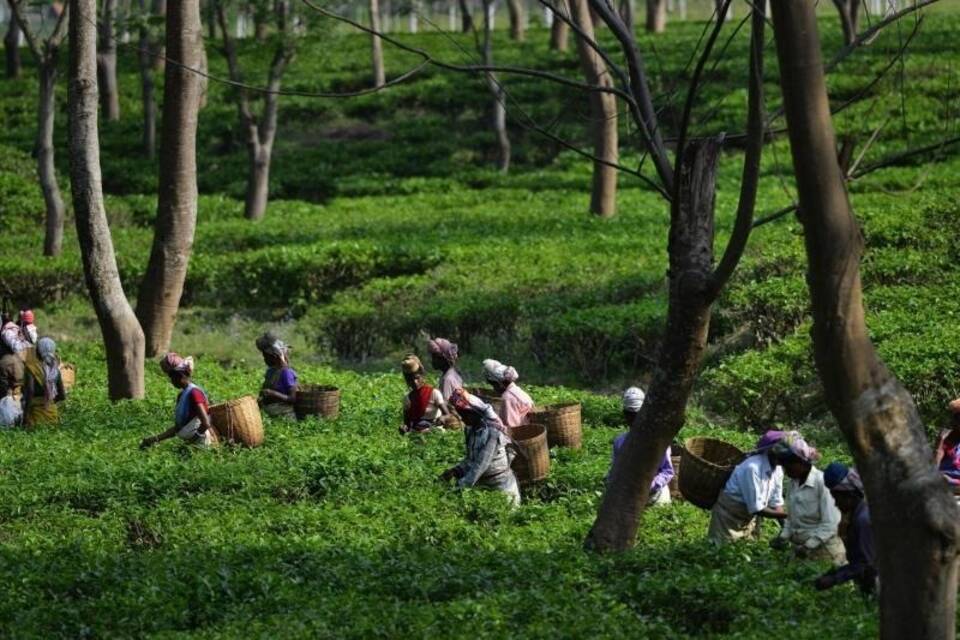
[(433, 406), (10, 412), (756, 483), (812, 511), (12, 336)]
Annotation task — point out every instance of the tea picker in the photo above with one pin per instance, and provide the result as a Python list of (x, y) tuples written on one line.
[(191, 418)]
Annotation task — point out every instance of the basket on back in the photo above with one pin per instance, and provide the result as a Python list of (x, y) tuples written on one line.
[(317, 400), (562, 422), (707, 463), (238, 421), (533, 460), (68, 374)]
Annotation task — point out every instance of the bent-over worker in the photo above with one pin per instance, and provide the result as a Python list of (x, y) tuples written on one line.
[(660, 486), (516, 403), (191, 417), (847, 489), (42, 385)]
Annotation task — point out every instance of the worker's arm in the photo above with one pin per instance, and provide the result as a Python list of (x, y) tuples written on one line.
[(146, 443)]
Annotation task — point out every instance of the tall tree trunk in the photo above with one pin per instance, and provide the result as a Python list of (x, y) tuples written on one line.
[(107, 62), (603, 116), (685, 340), (258, 180), (656, 16), (849, 18), (628, 15), (122, 336), (11, 48), (517, 27), (560, 30), (413, 18), (499, 110), (466, 18), (915, 521), (162, 284), (147, 89), (379, 74), (46, 169)]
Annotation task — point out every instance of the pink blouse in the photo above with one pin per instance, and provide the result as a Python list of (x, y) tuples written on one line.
[(515, 407)]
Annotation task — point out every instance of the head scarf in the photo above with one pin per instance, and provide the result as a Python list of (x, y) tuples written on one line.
[(47, 354), (633, 399), (497, 372), (270, 344), (464, 401), (443, 348), (767, 440), (174, 363), (839, 477), (26, 316), (792, 444), (411, 365)]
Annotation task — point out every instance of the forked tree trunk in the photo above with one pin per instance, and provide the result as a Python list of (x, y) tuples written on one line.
[(915, 520), (107, 62), (656, 16), (560, 30), (849, 18), (517, 28), (379, 74), (11, 48), (603, 116), (46, 168), (466, 19), (147, 89), (162, 285), (499, 110), (122, 336), (685, 340)]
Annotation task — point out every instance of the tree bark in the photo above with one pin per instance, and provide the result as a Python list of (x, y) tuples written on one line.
[(107, 62), (656, 16), (627, 14), (147, 88), (560, 30), (516, 11), (603, 117), (849, 18), (914, 518), (499, 110), (379, 74), (46, 168), (466, 18), (176, 221), (11, 48), (122, 336)]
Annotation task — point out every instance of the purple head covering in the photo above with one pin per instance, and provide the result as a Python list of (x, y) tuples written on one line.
[(443, 348), (792, 444), (768, 439)]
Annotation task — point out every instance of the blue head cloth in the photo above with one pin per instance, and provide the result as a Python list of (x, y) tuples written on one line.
[(834, 474)]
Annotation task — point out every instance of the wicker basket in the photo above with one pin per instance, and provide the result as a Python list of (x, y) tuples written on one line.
[(317, 400), (68, 374), (238, 421), (562, 422), (675, 480), (707, 464), (533, 461)]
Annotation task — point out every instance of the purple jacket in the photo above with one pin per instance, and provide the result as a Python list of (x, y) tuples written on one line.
[(664, 472)]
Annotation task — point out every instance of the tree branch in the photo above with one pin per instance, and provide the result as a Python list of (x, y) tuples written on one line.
[(28, 33)]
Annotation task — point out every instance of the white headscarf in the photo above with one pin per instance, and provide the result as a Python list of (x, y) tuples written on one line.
[(498, 372), (633, 399), (47, 353)]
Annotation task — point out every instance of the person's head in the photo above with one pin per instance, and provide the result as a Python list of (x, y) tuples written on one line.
[(795, 467), (500, 376), (178, 369), (793, 453), (954, 408), (632, 401), (275, 351), (413, 371), (47, 350), (845, 486), (26, 317), (443, 353), (469, 407)]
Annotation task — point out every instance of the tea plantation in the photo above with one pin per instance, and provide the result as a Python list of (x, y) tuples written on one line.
[(387, 221)]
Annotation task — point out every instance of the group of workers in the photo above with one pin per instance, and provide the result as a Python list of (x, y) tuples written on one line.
[(31, 384), (810, 523)]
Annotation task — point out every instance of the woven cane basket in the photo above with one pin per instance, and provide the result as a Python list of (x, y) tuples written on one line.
[(317, 400), (707, 463), (562, 422), (238, 421), (675, 480), (532, 464), (68, 374)]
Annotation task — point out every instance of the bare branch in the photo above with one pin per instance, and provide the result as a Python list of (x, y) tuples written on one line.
[(867, 36), (28, 34)]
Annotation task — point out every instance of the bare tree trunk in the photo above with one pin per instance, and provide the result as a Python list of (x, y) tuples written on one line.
[(915, 520), (560, 30), (849, 17), (46, 169), (656, 16), (379, 74), (11, 48), (147, 88), (122, 336), (258, 181), (499, 119), (603, 116), (627, 14), (517, 30), (466, 18), (162, 284), (107, 62)]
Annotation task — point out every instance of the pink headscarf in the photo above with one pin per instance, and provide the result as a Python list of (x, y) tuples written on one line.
[(174, 363), (443, 348)]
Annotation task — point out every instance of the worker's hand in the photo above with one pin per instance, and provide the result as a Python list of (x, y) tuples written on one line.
[(146, 443), (779, 543), (824, 582)]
